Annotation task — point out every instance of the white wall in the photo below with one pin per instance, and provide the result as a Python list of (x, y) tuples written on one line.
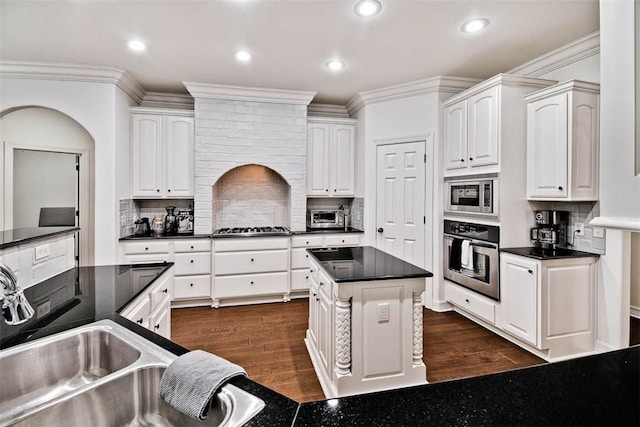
[(635, 274), (43, 179), (98, 107)]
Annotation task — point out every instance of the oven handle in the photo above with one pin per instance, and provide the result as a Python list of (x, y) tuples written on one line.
[(474, 242), (484, 245)]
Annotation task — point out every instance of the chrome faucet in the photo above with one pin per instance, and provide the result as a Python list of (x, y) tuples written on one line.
[(15, 307)]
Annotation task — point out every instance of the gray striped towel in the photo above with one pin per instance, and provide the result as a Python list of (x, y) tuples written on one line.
[(190, 382)]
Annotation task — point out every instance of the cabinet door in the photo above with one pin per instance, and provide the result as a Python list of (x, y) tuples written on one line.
[(455, 136), (325, 332), (318, 159), (147, 155), (314, 301), (584, 137), (519, 281), (342, 163), (139, 312), (483, 128), (160, 322), (179, 149), (547, 147)]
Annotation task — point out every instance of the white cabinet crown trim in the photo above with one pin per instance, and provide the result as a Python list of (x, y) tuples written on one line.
[(257, 94)]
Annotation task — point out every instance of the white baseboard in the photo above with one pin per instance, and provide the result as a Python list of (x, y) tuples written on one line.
[(635, 312)]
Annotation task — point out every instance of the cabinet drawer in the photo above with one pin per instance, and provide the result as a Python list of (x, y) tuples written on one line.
[(342, 240), (306, 241), (300, 280), (314, 269), (299, 258), (138, 311), (162, 291), (251, 262), (196, 263), (250, 284), (201, 245), (192, 287), (147, 247), (471, 302), (324, 285), (250, 244)]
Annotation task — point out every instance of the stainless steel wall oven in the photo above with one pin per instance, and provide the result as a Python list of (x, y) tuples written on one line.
[(471, 256)]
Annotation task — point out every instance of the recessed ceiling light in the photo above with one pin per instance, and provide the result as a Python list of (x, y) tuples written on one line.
[(474, 25), (335, 65), (136, 45), (243, 56), (366, 8)]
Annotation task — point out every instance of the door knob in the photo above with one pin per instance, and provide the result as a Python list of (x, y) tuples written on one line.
[(380, 230)]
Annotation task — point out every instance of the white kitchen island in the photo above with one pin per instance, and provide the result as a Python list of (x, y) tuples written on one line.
[(365, 321)]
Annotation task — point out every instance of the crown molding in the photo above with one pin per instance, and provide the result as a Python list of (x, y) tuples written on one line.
[(569, 85), (575, 51), (167, 100), (72, 73), (440, 84), (327, 110), (629, 224), (256, 94)]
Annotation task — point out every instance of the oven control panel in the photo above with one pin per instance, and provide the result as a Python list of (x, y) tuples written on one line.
[(489, 233)]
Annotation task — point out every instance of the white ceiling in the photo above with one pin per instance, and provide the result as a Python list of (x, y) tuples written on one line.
[(291, 40)]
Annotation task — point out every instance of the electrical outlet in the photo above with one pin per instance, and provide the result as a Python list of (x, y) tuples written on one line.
[(580, 228), (383, 312), (42, 251), (598, 232)]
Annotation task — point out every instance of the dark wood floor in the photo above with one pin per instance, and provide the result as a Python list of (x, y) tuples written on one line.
[(267, 340)]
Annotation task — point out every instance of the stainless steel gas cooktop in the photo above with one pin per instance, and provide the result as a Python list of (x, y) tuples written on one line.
[(252, 231)]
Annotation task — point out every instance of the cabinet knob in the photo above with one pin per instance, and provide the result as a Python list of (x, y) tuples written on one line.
[(252, 282), (191, 261), (462, 160), (342, 240), (334, 190), (311, 270), (560, 188), (306, 277), (307, 242), (321, 283), (164, 291), (380, 230), (471, 158), (140, 320), (327, 190), (146, 249), (169, 190), (251, 259), (157, 190), (156, 327), (306, 256), (467, 300), (191, 246), (190, 284), (530, 271)]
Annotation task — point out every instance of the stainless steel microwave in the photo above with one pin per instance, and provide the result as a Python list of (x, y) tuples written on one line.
[(477, 196), (327, 218)]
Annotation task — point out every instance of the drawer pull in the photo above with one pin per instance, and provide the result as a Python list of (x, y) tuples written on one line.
[(462, 160), (169, 190), (157, 326), (560, 188), (191, 284), (191, 261), (471, 158), (146, 249), (191, 246), (307, 242), (321, 283), (251, 259), (164, 291), (530, 271), (306, 256), (306, 277), (140, 320), (158, 190), (311, 270), (342, 240), (467, 300), (252, 282)]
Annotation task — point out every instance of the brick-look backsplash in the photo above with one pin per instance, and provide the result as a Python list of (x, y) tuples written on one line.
[(230, 133)]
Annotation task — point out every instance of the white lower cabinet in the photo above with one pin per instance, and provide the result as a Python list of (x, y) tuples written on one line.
[(152, 308), (250, 270), (471, 302), (549, 304)]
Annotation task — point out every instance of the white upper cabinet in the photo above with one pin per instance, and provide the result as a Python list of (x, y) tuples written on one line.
[(162, 145), (482, 124), (331, 157), (563, 142)]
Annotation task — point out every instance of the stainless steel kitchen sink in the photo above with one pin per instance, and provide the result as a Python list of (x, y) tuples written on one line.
[(101, 375)]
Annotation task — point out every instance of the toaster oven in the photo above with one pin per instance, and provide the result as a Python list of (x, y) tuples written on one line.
[(326, 218)]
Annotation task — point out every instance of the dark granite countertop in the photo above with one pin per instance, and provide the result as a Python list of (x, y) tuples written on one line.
[(603, 389), (19, 236), (545, 254), (364, 263), (327, 231), (173, 236)]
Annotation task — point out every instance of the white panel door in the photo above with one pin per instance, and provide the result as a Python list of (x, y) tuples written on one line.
[(147, 155), (400, 197), (342, 176), (547, 147), (483, 128), (455, 136), (179, 151), (318, 159), (519, 291)]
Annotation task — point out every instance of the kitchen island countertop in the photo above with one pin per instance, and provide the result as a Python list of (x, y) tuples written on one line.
[(594, 390), (19, 236)]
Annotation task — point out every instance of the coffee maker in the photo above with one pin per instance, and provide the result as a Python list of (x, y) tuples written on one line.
[(550, 231)]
